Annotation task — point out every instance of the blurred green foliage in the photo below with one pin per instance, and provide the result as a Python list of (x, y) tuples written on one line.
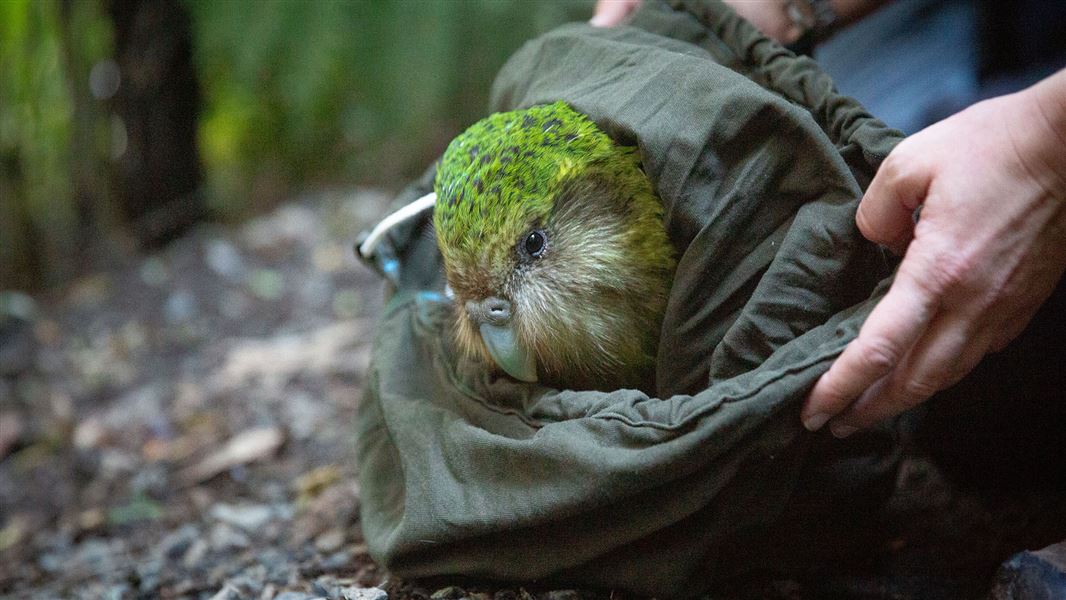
[(296, 95), (46, 53), (337, 92)]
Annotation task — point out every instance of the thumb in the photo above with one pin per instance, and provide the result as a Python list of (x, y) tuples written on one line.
[(886, 212), (609, 13)]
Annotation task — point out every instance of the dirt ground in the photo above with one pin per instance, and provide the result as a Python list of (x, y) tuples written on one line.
[(179, 426)]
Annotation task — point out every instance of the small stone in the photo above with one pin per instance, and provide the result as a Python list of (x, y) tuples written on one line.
[(115, 463), (364, 593), (148, 575), (222, 258), (14, 531), (11, 429), (329, 258), (151, 480), (228, 592), (195, 554), (288, 225), (91, 519), (369, 575), (235, 305), (330, 540), (180, 307), (47, 332), (154, 272), (323, 586), (336, 561), (304, 414), (315, 291), (224, 537), (177, 543), (249, 517), (283, 511), (279, 566), (189, 398), (61, 405), (18, 305), (133, 336), (139, 508), (346, 304), (50, 562), (451, 592), (219, 570), (90, 291), (18, 346), (98, 556), (250, 579), (295, 596), (266, 284), (118, 592)]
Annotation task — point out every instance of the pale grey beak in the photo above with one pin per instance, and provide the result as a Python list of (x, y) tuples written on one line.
[(493, 318), (510, 355)]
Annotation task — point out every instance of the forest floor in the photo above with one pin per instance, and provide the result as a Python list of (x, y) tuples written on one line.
[(180, 426)]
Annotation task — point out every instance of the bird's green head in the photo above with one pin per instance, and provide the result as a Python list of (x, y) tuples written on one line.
[(554, 248)]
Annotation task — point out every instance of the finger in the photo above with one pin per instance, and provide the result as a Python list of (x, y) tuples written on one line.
[(609, 13), (892, 328), (844, 425), (771, 18), (1006, 333), (886, 212), (790, 35), (946, 353)]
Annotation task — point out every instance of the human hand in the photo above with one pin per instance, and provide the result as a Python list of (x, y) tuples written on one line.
[(988, 249), (609, 13), (769, 16)]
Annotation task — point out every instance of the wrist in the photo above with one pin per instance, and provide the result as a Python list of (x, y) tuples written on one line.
[(1047, 100), (1050, 96)]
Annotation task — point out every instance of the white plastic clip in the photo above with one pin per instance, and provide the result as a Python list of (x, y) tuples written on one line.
[(408, 212)]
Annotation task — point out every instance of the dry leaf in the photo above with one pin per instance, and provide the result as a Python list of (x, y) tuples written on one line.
[(245, 447)]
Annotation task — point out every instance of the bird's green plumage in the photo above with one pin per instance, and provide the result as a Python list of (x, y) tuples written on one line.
[(590, 308), (501, 170)]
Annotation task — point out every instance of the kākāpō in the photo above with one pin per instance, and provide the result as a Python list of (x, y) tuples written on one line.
[(554, 249)]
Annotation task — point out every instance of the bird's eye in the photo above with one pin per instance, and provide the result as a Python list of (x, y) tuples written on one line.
[(534, 244)]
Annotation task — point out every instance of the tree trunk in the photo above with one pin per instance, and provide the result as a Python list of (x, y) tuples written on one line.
[(158, 175)]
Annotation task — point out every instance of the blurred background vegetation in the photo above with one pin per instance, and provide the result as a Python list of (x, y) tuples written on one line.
[(124, 122)]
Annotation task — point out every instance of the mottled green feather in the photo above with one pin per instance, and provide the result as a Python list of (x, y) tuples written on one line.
[(499, 173), (591, 307)]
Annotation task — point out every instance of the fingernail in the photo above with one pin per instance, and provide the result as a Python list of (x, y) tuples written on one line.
[(842, 430), (815, 421), (599, 21)]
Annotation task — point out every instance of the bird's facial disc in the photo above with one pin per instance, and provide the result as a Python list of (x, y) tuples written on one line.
[(493, 318)]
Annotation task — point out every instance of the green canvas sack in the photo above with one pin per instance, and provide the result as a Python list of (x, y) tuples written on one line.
[(760, 165)]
